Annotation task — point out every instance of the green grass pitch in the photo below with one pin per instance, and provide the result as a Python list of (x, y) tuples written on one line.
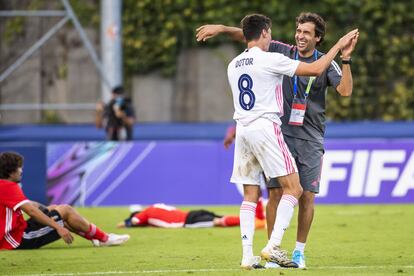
[(344, 240)]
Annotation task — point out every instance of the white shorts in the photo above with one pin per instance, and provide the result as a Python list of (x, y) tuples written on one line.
[(259, 147)]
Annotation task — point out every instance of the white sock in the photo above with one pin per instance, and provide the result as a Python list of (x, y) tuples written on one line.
[(284, 214), (300, 246), (247, 217)]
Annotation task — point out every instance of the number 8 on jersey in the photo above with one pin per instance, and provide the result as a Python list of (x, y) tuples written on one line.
[(246, 97)]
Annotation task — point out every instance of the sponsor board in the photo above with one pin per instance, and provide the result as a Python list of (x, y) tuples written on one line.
[(198, 172)]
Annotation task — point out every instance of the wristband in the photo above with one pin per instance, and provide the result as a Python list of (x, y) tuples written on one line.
[(348, 61)]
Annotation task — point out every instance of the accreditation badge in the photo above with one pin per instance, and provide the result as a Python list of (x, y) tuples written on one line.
[(297, 114)]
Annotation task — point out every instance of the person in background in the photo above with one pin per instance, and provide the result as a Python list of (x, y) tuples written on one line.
[(117, 117)]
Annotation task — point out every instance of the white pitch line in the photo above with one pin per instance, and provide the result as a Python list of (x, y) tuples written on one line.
[(362, 267), (130, 272), (206, 270)]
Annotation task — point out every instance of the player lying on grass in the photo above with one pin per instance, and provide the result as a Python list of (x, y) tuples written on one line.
[(165, 216), (46, 224)]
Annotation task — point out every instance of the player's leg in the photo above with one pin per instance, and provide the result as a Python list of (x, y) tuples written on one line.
[(309, 163), (37, 235), (285, 209), (275, 193), (84, 228), (260, 214), (227, 221), (305, 218), (247, 170), (277, 162), (230, 221), (261, 203), (284, 214), (247, 224), (71, 217)]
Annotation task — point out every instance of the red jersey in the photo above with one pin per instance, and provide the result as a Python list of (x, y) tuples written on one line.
[(160, 215), (12, 223)]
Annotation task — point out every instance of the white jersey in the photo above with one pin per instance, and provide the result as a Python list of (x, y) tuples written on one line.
[(256, 78)]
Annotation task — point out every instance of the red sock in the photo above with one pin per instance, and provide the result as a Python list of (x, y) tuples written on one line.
[(94, 233), (84, 235), (259, 210), (230, 221)]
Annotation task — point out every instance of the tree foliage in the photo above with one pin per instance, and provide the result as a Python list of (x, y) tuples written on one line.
[(155, 31)]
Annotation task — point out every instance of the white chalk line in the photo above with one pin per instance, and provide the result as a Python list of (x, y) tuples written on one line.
[(209, 270)]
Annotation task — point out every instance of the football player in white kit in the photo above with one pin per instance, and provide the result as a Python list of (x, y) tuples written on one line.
[(255, 77)]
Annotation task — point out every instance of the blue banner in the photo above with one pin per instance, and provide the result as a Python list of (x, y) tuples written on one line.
[(198, 172), (34, 170)]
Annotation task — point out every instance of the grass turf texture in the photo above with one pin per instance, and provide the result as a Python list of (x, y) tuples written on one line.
[(344, 240)]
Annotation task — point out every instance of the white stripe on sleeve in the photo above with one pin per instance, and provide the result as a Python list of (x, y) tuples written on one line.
[(20, 204), (336, 67)]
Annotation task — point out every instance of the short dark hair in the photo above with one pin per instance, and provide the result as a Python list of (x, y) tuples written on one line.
[(316, 19), (119, 90), (253, 25), (9, 163)]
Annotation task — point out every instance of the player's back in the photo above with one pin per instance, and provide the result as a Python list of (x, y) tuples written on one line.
[(255, 77), (162, 215)]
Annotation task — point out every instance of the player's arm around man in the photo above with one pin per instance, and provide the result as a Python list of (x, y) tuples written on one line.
[(206, 32), (316, 68)]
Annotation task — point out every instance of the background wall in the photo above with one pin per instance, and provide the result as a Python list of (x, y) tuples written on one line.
[(172, 78)]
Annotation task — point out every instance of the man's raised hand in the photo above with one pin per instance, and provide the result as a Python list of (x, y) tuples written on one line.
[(207, 31)]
